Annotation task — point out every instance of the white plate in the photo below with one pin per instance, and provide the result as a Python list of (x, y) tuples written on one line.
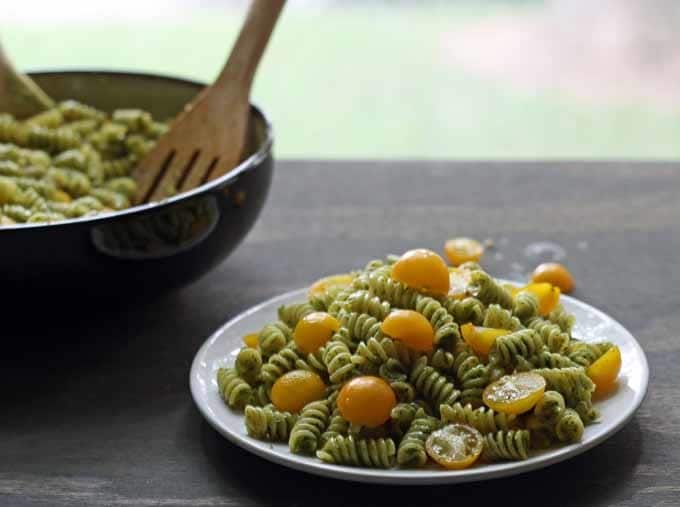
[(592, 325)]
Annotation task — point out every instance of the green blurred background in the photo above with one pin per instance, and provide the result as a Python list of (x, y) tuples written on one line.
[(400, 79)]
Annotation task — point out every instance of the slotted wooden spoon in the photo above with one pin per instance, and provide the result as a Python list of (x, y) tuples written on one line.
[(207, 139), (19, 95)]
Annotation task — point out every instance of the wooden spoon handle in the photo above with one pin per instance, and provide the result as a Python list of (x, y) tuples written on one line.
[(19, 95), (240, 68)]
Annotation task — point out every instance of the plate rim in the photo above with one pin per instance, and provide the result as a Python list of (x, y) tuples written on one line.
[(402, 477)]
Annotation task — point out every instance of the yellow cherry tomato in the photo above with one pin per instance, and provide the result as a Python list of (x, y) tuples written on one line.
[(555, 274), (367, 401), (327, 282), (455, 446), (293, 390), (515, 394), (548, 296), (605, 370), (251, 340), (314, 330), (481, 339), (459, 280), (460, 250), (411, 328), (423, 270)]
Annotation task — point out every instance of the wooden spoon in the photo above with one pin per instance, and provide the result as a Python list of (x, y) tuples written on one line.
[(207, 139), (19, 95)]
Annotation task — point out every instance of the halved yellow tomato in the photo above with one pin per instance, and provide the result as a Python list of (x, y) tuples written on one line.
[(459, 280), (548, 296), (605, 370), (327, 282), (481, 339), (455, 446), (515, 394)]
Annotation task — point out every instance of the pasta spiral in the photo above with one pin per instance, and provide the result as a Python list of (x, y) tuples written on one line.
[(544, 359), (313, 420), (338, 361), (267, 423), (234, 390), (361, 326), (471, 375), (273, 338), (526, 306), (404, 391), (248, 365), (488, 291), (585, 354), (483, 419), (507, 445), (338, 426), (395, 293), (372, 353), (550, 406), (446, 333), (575, 386), (362, 301), (411, 451), (347, 450), (465, 310), (433, 385), (500, 318), (569, 426), (291, 314), (562, 318), (524, 343), (403, 414), (285, 360), (556, 339)]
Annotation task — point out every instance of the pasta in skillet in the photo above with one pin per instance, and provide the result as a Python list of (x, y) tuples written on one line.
[(71, 161)]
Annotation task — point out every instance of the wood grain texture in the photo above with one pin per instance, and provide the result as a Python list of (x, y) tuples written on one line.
[(96, 408)]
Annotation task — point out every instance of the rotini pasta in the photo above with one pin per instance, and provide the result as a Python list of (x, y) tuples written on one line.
[(411, 451), (465, 310), (507, 445), (362, 301), (273, 338), (285, 360), (338, 426), (446, 330), (500, 318), (483, 419), (585, 354), (235, 391), (267, 423), (488, 291), (523, 343), (313, 420), (291, 314), (556, 339), (562, 318), (433, 386), (347, 450), (248, 364), (526, 306)]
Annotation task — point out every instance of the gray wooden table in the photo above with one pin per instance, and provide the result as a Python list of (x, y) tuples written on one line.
[(95, 409)]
